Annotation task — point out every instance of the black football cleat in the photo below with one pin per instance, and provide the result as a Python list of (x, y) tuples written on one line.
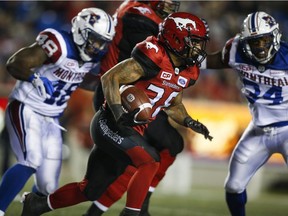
[(34, 205), (129, 212), (93, 211)]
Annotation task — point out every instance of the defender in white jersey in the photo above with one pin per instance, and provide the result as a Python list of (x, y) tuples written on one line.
[(261, 60), (47, 72)]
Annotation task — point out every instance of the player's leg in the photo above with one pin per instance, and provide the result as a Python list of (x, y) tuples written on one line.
[(46, 181), (132, 147), (24, 128), (249, 155), (76, 192), (170, 143), (92, 187), (113, 193)]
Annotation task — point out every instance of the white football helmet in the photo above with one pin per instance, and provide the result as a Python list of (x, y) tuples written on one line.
[(259, 25), (93, 29)]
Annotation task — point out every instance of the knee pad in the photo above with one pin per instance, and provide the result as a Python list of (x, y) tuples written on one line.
[(234, 187), (47, 187)]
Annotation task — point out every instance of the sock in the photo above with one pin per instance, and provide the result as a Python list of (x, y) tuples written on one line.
[(100, 206), (12, 183), (67, 195), (166, 161), (139, 185), (116, 190), (236, 203)]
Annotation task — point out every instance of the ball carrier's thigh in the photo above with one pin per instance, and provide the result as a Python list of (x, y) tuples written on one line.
[(113, 152)]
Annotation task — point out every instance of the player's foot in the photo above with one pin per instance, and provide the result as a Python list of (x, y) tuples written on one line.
[(93, 211), (142, 213), (34, 205), (129, 212)]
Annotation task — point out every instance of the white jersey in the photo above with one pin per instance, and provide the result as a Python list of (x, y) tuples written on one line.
[(62, 69), (266, 88)]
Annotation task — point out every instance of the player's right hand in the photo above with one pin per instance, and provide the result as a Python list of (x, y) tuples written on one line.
[(43, 85), (125, 118), (128, 119)]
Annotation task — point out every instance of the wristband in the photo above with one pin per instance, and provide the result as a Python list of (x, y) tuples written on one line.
[(188, 121)]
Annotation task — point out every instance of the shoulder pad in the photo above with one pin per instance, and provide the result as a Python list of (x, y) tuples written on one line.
[(52, 43)]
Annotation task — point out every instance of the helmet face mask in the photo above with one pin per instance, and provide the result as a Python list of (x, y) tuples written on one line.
[(95, 45), (260, 37), (185, 35), (195, 50), (92, 31)]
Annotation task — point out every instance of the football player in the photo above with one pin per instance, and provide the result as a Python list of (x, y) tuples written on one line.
[(162, 67), (47, 72), (260, 58), (136, 20)]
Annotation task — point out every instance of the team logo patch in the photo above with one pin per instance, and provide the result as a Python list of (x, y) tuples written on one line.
[(143, 10), (276, 73), (166, 75), (182, 81), (150, 45)]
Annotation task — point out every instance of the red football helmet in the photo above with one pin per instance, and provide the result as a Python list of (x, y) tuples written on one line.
[(185, 35)]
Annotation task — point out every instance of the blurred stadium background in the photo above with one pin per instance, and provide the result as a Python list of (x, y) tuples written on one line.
[(194, 185)]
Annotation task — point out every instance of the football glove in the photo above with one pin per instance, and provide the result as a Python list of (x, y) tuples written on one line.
[(42, 84), (198, 127)]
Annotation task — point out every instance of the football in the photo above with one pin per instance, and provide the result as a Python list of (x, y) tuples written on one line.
[(133, 98)]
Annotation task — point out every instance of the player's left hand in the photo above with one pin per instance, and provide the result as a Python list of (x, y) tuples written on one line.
[(197, 127), (43, 85)]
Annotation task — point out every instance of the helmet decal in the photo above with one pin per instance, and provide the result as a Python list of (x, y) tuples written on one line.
[(142, 10), (269, 20), (93, 19), (183, 23)]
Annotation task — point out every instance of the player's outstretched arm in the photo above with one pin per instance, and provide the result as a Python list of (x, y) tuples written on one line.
[(179, 114)]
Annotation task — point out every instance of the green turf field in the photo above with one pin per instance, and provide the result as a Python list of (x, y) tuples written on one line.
[(201, 202), (267, 192), (205, 197)]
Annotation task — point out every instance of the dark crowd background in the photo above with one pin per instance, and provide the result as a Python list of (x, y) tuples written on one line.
[(20, 22)]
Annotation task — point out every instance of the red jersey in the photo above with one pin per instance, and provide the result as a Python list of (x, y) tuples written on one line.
[(134, 22), (162, 82)]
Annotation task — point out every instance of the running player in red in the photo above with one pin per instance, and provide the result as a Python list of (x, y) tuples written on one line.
[(162, 67), (135, 21)]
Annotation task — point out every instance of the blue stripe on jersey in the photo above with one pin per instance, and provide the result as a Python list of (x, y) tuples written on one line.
[(253, 22), (72, 51)]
